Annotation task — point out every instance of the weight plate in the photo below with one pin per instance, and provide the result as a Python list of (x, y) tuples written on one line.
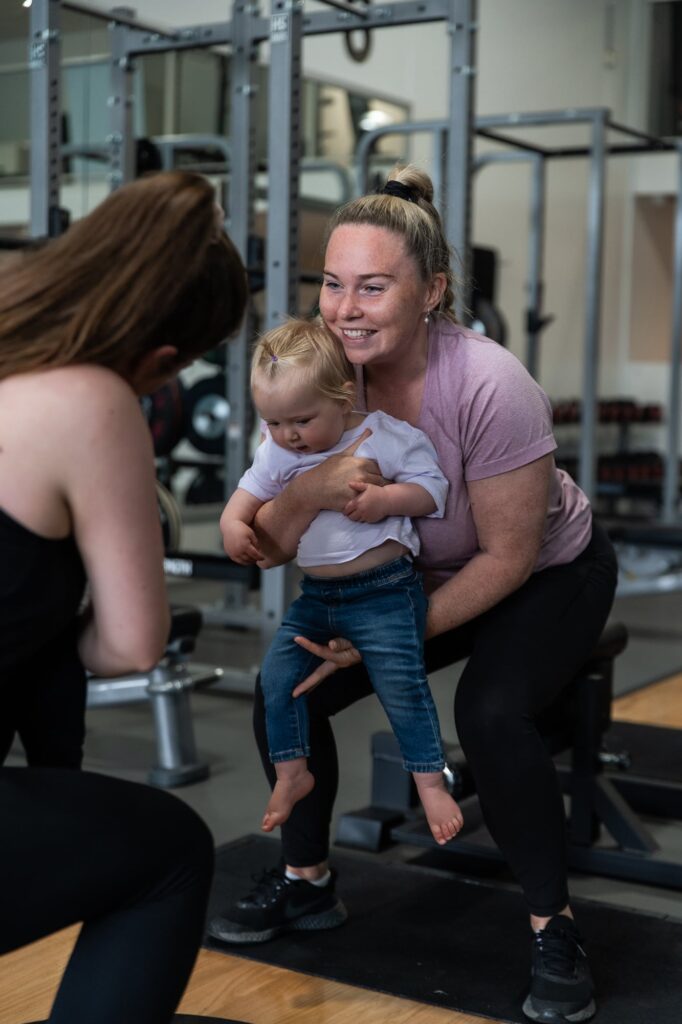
[(171, 520), (163, 411), (207, 412)]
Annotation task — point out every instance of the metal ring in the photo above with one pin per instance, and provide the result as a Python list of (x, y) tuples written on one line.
[(361, 52)]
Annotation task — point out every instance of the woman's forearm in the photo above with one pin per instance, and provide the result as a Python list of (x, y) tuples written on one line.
[(478, 586), (139, 651), (509, 513), (280, 523)]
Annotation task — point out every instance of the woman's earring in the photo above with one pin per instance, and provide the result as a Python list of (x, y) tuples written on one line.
[(427, 316)]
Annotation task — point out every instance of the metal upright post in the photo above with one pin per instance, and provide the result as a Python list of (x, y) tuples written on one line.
[(44, 53), (284, 109), (440, 165), (462, 27), (535, 259), (121, 137), (284, 115), (593, 279), (671, 483), (240, 220), (536, 232), (239, 223)]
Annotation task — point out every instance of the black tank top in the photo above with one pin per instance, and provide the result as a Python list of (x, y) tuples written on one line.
[(41, 587)]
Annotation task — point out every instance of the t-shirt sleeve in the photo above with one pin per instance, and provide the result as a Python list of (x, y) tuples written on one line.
[(406, 455), (261, 478), (506, 422)]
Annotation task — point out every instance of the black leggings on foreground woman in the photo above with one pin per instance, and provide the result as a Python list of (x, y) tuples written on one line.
[(132, 863), (505, 685), (89, 323)]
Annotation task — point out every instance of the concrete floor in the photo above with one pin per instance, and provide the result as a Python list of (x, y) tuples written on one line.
[(121, 739)]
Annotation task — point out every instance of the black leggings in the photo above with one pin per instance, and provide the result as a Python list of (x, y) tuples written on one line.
[(522, 653), (42, 701), (133, 863)]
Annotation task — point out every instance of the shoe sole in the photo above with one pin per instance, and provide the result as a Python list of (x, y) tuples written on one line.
[(547, 1015), (332, 918)]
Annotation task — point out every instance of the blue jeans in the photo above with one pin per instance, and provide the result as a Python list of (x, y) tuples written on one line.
[(382, 612)]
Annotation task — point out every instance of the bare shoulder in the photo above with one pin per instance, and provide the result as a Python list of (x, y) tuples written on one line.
[(81, 398), (62, 432), (85, 388), (85, 385)]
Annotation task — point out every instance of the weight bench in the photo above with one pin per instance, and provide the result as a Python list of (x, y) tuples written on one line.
[(167, 687), (576, 723)]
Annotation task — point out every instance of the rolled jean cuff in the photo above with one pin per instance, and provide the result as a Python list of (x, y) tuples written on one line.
[(423, 767), (288, 755)]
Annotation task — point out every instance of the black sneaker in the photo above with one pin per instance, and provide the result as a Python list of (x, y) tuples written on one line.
[(277, 904), (561, 987)]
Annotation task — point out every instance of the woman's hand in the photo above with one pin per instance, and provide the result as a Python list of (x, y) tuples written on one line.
[(280, 523), (338, 653), (330, 482)]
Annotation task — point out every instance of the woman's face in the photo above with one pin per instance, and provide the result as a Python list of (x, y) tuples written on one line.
[(373, 297)]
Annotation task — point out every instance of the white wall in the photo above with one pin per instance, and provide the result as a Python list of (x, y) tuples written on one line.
[(78, 198)]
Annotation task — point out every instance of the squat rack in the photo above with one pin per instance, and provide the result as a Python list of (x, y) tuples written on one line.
[(284, 29), (599, 122)]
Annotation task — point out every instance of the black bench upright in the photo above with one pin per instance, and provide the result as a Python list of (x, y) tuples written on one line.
[(576, 724)]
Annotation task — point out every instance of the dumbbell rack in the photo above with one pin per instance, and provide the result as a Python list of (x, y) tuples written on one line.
[(622, 473)]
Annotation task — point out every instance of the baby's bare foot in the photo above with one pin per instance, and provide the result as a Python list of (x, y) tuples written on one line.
[(291, 786), (442, 812)]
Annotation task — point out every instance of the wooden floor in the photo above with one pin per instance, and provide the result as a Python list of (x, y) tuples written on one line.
[(227, 986), (659, 704), (221, 986)]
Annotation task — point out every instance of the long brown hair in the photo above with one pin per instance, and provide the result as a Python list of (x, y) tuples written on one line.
[(148, 267), (418, 222)]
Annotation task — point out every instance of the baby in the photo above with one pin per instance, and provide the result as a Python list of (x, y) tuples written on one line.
[(359, 581)]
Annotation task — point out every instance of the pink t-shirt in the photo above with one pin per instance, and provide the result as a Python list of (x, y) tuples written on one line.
[(486, 415)]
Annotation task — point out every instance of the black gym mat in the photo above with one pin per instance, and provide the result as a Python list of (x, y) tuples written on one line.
[(441, 939)]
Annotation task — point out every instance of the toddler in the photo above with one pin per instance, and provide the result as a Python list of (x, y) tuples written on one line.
[(359, 581)]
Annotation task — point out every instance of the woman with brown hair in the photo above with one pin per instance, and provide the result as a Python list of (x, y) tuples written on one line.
[(96, 318), (520, 579)]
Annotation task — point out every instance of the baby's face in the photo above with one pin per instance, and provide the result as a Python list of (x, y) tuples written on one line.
[(300, 419)]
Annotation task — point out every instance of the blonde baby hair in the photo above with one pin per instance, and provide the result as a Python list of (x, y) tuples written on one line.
[(308, 349)]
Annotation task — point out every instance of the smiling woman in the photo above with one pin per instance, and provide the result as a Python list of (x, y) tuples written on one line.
[(377, 306), (518, 575)]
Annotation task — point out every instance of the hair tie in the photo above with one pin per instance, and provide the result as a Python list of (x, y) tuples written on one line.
[(273, 357), (400, 191)]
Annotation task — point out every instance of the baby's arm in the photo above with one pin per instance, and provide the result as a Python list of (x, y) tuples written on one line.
[(374, 503), (407, 458), (239, 540)]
